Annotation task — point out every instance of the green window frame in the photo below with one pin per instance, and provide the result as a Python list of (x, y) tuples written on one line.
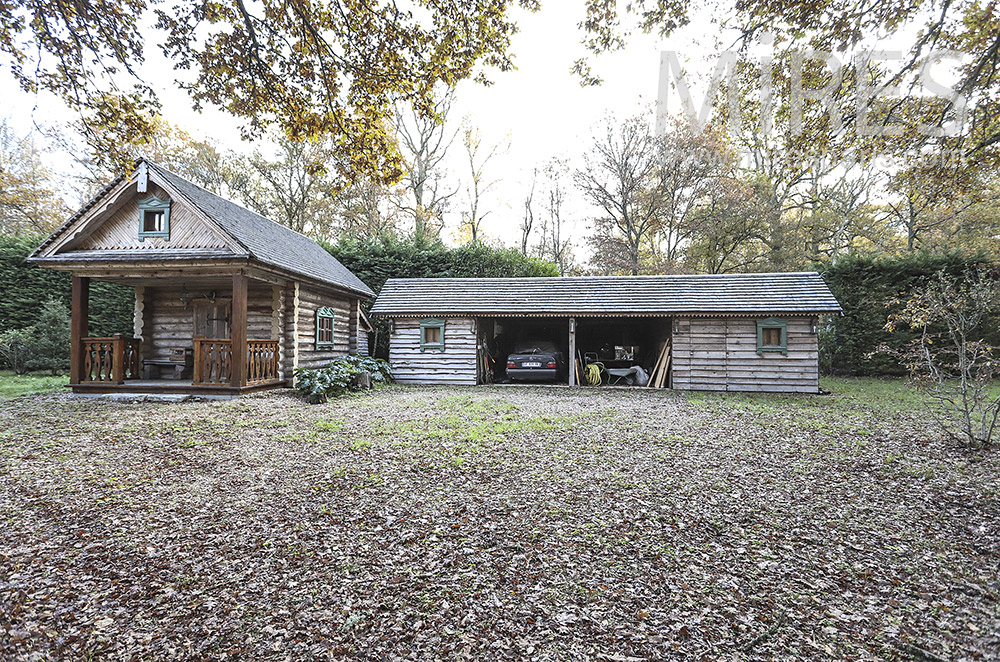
[(154, 218), (325, 326), (432, 335), (765, 336)]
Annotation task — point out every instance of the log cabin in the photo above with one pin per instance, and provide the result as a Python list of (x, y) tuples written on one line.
[(226, 301), (733, 332)]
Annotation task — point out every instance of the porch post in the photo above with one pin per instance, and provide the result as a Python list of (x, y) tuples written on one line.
[(572, 351), (79, 327), (239, 333)]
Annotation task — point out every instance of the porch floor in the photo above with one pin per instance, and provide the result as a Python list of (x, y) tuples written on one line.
[(173, 386)]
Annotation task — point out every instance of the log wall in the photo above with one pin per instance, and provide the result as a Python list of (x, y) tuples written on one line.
[(310, 300), (286, 313), (455, 365), (166, 322), (720, 354)]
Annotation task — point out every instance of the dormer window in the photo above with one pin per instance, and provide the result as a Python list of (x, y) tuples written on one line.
[(152, 221), (154, 218)]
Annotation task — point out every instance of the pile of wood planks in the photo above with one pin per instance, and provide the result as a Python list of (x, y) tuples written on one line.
[(658, 378)]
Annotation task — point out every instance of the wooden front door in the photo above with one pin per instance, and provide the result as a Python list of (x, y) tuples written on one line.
[(212, 320)]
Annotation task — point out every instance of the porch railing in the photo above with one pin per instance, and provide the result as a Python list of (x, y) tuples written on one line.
[(110, 360), (213, 361), (262, 361), (115, 359)]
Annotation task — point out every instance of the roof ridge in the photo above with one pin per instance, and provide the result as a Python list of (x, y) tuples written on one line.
[(642, 276)]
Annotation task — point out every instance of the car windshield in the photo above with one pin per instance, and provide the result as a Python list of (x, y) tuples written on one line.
[(534, 348)]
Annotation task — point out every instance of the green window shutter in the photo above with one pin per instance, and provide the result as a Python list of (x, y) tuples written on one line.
[(154, 218), (325, 319), (432, 335), (772, 336)]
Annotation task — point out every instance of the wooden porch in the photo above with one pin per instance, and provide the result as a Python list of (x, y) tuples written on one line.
[(229, 366)]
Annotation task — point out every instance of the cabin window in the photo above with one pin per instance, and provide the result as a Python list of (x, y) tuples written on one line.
[(772, 336), (324, 328), (432, 335), (154, 218)]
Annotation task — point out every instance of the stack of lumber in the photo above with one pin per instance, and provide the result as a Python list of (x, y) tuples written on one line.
[(658, 378)]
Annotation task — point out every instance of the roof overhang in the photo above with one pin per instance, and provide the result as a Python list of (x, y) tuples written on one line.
[(126, 266), (616, 314)]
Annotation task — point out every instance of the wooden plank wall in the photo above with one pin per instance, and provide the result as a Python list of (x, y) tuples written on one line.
[(720, 354), (455, 365), (309, 301), (167, 322), (121, 230)]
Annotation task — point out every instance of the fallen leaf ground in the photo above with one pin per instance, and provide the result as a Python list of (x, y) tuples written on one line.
[(496, 523)]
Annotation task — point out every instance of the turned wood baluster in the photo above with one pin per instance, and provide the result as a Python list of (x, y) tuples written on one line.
[(199, 358), (117, 356)]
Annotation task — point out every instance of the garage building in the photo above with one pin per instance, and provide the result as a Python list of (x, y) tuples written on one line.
[(729, 332)]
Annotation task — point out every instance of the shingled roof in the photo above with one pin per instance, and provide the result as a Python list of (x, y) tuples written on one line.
[(732, 294), (263, 240)]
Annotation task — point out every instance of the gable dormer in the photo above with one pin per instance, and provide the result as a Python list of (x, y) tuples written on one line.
[(154, 218)]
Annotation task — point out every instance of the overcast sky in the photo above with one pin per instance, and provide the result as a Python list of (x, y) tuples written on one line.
[(540, 107)]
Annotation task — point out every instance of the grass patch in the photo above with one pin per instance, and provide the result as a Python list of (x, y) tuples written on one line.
[(460, 426), (12, 386), (329, 424), (881, 395)]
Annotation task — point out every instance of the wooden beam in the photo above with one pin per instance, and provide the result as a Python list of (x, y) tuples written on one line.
[(572, 351), (79, 326), (239, 330)]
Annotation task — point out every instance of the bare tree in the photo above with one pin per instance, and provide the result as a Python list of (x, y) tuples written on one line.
[(840, 212), (425, 139), (692, 162), (528, 222), (479, 157), (931, 196), (554, 246), (368, 209), (622, 175), (951, 361), (728, 226), (295, 189)]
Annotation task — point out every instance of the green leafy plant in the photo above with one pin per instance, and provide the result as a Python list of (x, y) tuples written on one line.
[(340, 377), (17, 349)]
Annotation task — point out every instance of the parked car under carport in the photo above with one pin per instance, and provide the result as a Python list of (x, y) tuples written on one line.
[(537, 361)]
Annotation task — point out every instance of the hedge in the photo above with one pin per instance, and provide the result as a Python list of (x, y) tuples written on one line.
[(25, 287), (865, 285)]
